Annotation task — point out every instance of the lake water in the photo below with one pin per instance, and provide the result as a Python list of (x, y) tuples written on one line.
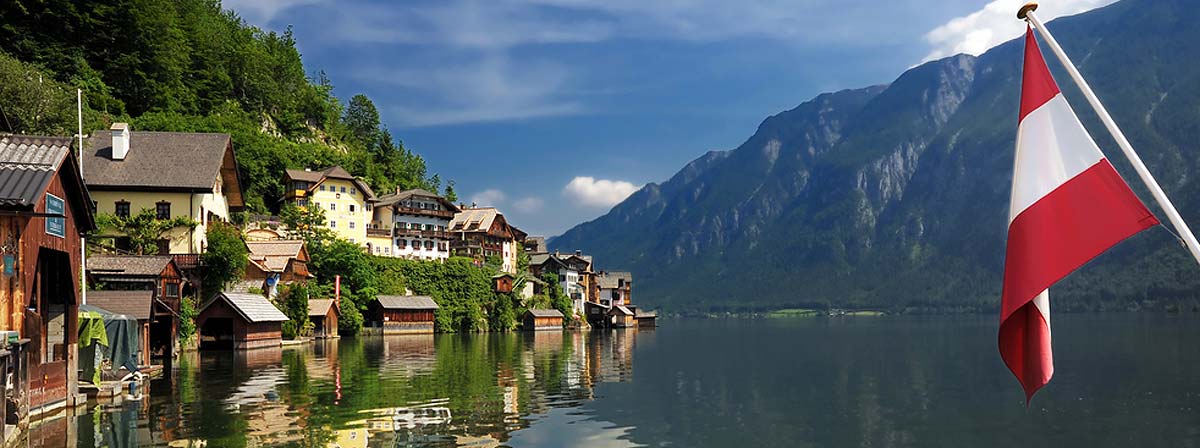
[(1122, 380)]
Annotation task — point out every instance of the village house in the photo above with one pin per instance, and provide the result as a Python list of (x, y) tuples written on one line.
[(276, 262), (615, 288), (240, 321), (157, 274), (346, 200), (411, 224), (402, 314), (645, 319), (483, 232), (538, 320), (324, 314), (569, 277), (44, 210), (173, 174)]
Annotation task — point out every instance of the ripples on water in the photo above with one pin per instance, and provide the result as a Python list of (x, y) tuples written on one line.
[(1121, 380)]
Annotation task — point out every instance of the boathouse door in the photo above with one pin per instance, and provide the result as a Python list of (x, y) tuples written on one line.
[(50, 316)]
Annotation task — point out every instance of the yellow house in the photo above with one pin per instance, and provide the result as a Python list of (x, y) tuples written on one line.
[(172, 173), (345, 199)]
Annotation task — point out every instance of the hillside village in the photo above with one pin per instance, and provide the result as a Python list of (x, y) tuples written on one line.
[(148, 230)]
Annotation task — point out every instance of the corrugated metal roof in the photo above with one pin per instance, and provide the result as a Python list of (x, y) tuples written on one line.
[(27, 164), (135, 304), (545, 313), (252, 307), (407, 302), (154, 160), (319, 307)]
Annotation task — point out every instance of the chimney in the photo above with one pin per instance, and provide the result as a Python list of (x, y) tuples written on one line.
[(120, 140), (308, 170), (578, 252)]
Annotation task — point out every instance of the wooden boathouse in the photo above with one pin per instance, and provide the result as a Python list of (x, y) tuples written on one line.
[(324, 314), (240, 321), (157, 274), (537, 320), (402, 314), (44, 209)]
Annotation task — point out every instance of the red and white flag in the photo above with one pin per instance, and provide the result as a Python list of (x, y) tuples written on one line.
[(1068, 206)]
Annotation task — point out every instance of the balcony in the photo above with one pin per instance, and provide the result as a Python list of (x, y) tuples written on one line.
[(187, 261), (414, 233), (446, 214), (384, 233)]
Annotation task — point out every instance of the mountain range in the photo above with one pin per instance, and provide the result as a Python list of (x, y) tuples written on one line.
[(895, 196)]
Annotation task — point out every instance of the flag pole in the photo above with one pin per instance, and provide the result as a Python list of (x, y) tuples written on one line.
[(1189, 240)]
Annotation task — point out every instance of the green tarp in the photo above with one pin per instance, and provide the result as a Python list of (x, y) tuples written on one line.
[(120, 341)]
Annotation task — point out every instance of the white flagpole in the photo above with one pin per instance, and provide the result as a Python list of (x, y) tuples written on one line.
[(1148, 179), (82, 239)]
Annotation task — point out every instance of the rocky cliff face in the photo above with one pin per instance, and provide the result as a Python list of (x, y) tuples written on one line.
[(895, 195)]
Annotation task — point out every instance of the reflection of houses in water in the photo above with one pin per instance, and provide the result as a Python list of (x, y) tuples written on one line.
[(408, 355), (349, 438), (611, 355)]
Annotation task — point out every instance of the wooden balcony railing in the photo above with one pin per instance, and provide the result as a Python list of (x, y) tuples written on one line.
[(447, 214), (379, 232), (414, 233), (188, 261)]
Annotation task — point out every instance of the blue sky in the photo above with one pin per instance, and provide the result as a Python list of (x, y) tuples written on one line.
[(555, 110)]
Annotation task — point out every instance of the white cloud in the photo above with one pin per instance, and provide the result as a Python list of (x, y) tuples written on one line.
[(529, 205), (483, 89), (593, 192), (995, 24), (489, 198), (263, 11)]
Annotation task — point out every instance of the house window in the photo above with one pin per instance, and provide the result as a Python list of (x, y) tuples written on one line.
[(353, 191), (121, 209), (351, 224), (351, 208), (343, 189), (171, 290), (302, 202), (299, 185), (387, 250), (402, 244), (332, 224), (322, 187), (333, 207), (352, 240), (162, 210), (368, 207), (429, 245)]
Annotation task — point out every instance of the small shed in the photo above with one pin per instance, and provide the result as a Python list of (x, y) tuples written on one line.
[(324, 314), (240, 321), (503, 282), (402, 314), (536, 320), (621, 316), (645, 319), (135, 304)]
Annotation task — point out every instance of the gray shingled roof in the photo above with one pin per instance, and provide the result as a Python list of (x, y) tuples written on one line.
[(135, 304), (319, 307), (128, 265), (252, 307), (608, 280), (622, 310), (27, 164), (407, 302), (642, 314), (155, 160), (545, 313)]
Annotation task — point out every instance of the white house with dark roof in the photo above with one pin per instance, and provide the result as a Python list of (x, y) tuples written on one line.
[(411, 224), (170, 173)]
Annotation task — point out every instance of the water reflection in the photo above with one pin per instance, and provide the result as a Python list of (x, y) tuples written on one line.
[(394, 391)]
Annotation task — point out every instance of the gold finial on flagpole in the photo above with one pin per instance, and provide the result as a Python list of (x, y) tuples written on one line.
[(1025, 10)]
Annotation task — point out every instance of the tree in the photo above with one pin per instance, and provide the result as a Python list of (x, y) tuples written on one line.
[(306, 223), (225, 258), (144, 230), (362, 119), (293, 301), (558, 300), (450, 194), (32, 101)]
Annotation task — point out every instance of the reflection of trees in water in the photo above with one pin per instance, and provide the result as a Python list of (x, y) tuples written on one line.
[(343, 391)]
